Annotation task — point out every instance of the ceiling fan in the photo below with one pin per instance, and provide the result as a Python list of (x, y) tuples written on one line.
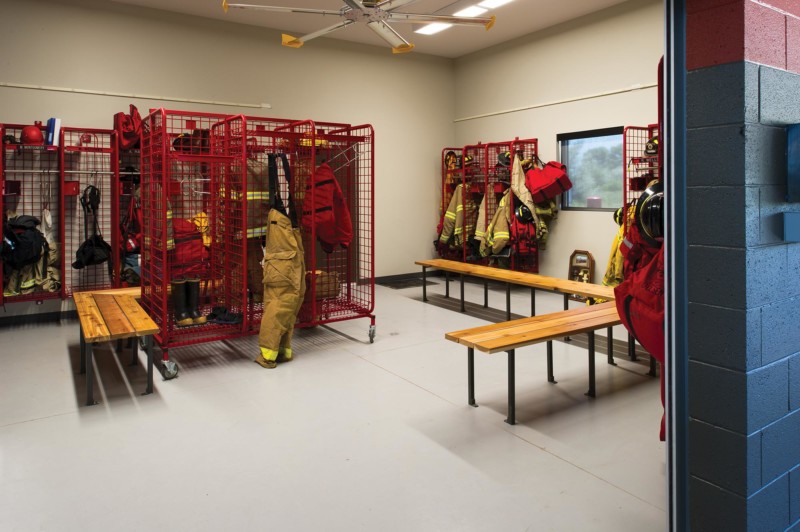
[(376, 14)]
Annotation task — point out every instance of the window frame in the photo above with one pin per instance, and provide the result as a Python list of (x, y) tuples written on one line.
[(588, 134)]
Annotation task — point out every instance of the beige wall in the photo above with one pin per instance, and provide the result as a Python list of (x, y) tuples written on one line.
[(415, 102), (616, 49)]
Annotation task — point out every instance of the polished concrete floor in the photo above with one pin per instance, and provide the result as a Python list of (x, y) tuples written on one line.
[(349, 436)]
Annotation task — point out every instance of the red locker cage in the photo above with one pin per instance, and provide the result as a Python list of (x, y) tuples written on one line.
[(30, 184), (639, 167), (452, 176), (126, 186), (211, 170), (87, 157)]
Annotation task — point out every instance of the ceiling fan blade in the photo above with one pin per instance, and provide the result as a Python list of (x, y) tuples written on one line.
[(384, 31), (278, 9), (389, 5), (486, 22), (354, 4), (297, 42)]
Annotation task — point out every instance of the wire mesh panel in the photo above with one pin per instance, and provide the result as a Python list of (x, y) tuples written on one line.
[(474, 187), (127, 254), (639, 166), (452, 176), (190, 213), (30, 186), (525, 254), (87, 160)]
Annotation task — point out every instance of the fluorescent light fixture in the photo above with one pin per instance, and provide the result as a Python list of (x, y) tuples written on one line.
[(434, 27), (471, 11), (491, 4)]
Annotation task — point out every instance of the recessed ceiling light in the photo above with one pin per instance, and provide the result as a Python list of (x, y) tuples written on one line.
[(434, 27), (491, 4), (471, 11)]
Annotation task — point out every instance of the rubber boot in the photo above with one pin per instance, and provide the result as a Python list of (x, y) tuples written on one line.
[(193, 301), (182, 318)]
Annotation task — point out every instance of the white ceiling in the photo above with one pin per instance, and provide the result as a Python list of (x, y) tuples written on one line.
[(516, 19)]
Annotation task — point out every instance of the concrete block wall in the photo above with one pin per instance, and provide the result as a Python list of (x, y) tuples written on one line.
[(743, 88)]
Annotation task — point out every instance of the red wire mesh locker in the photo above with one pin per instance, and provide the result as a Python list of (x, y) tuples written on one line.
[(525, 256), (340, 278), (86, 159), (452, 176), (127, 185), (30, 186), (639, 168), (187, 179), (474, 174)]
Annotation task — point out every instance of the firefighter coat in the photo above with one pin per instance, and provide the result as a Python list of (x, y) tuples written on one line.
[(458, 222), (325, 210), (497, 233)]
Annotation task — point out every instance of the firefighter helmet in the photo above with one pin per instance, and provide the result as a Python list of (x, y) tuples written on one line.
[(650, 214), (31, 135), (504, 158), (651, 147), (523, 214)]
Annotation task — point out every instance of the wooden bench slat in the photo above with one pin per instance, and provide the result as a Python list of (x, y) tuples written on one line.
[(142, 324), (564, 315), (135, 291), (533, 280), (92, 323), (118, 324), (504, 336)]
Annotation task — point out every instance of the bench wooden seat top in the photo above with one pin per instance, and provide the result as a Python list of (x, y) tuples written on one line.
[(533, 280), (511, 335), (107, 315)]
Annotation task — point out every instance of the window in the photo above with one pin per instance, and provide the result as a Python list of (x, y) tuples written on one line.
[(594, 165)]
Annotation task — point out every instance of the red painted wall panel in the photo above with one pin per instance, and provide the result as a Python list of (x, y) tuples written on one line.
[(765, 36), (715, 36), (793, 44)]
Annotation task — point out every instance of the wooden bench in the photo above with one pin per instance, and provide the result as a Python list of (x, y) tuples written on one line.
[(113, 314), (512, 335)]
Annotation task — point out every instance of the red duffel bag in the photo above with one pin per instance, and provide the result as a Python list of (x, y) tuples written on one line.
[(547, 182)]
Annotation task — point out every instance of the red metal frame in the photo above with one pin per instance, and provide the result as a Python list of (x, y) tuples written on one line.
[(29, 181), (638, 167), (451, 178), (217, 178), (126, 171), (86, 158)]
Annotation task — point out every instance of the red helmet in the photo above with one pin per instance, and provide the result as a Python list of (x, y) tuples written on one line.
[(31, 135)]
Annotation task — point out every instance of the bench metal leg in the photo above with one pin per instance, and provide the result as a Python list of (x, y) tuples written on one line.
[(471, 376), (446, 284), (89, 377), (485, 293), (83, 353), (610, 345), (148, 342), (591, 392), (653, 368), (550, 377), (566, 307), (533, 302), (462, 292), (511, 420), (508, 301), (134, 350), (424, 285), (631, 347)]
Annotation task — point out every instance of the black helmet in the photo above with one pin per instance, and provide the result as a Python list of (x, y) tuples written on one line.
[(651, 147), (650, 214), (504, 158), (523, 214), (619, 215)]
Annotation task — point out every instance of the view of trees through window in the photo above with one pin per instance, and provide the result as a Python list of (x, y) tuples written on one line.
[(594, 165)]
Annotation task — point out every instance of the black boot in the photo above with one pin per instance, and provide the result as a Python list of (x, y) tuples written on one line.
[(193, 301), (182, 318)]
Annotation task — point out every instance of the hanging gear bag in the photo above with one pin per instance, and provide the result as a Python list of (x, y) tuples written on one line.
[(23, 243), (94, 249)]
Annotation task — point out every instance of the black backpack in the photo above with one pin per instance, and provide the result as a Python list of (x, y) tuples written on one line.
[(23, 243)]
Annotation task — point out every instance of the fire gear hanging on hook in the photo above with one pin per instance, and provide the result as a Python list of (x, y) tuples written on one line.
[(284, 274), (328, 215)]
